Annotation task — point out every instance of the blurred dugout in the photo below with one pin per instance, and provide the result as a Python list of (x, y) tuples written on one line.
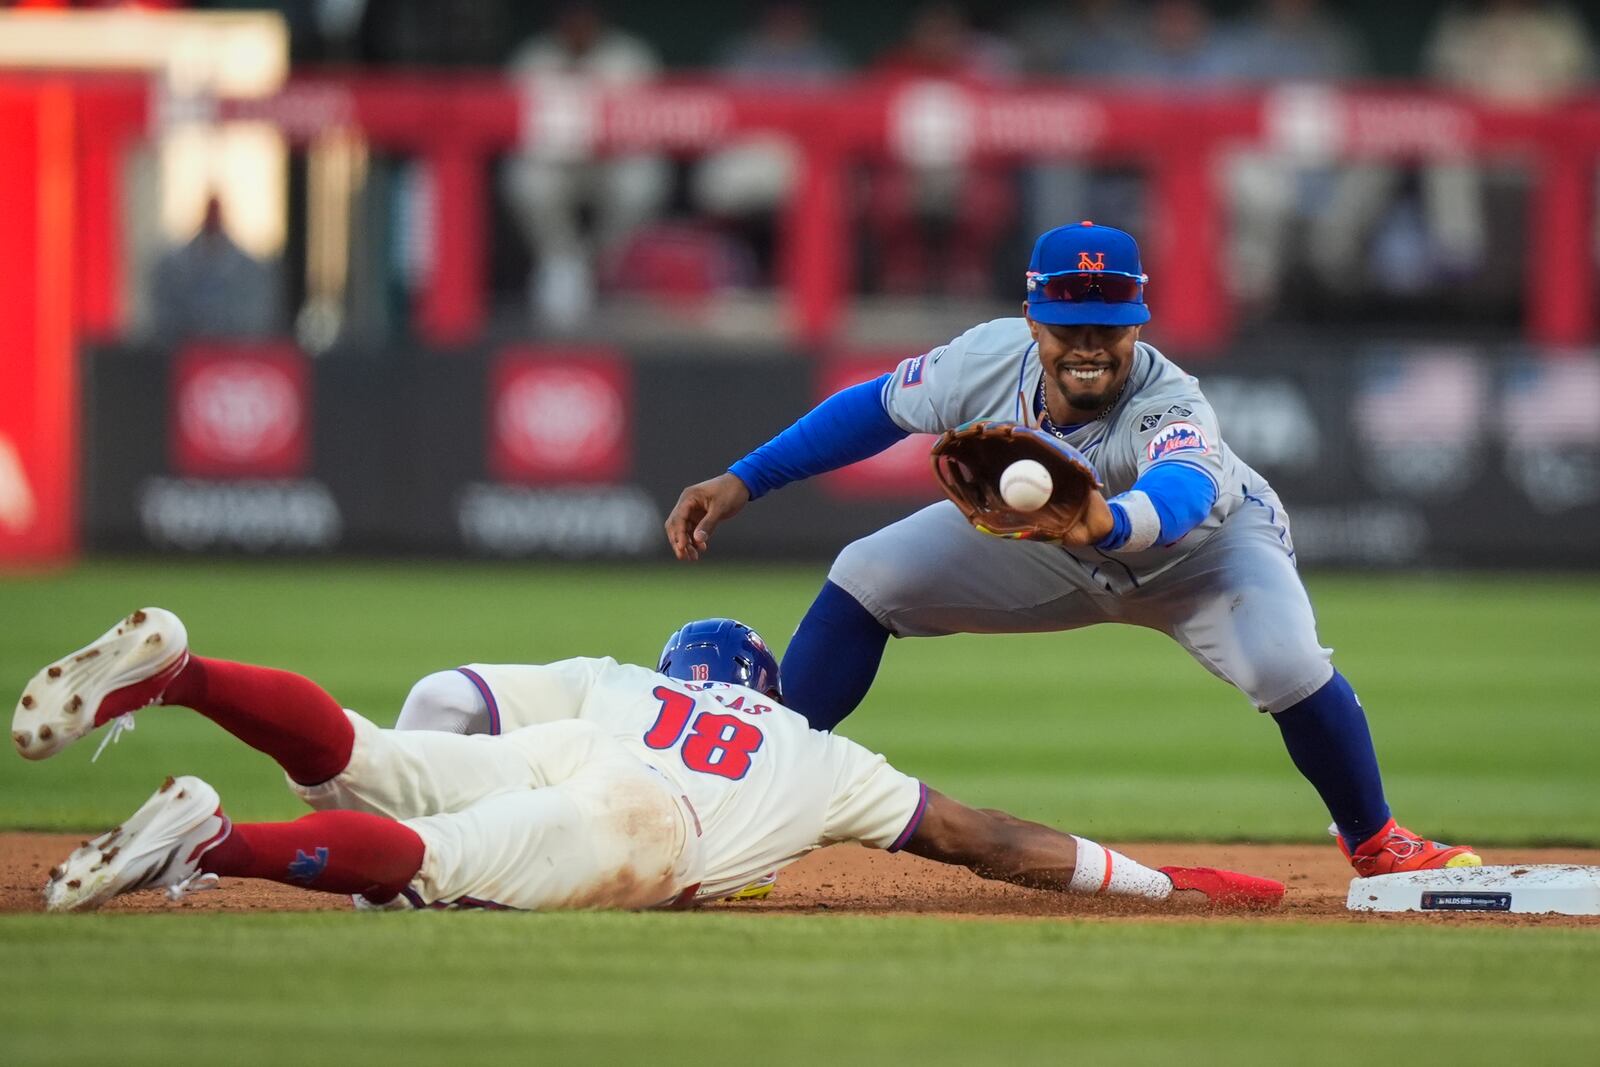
[(191, 189)]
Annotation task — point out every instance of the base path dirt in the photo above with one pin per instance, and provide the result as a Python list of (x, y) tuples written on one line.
[(851, 880)]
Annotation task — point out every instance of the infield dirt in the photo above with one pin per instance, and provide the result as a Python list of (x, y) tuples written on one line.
[(847, 879)]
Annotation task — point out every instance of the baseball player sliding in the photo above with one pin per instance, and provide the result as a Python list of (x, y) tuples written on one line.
[(1186, 539), (617, 787)]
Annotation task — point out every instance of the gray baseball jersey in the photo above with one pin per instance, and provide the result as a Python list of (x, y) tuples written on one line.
[(1228, 591), (993, 372)]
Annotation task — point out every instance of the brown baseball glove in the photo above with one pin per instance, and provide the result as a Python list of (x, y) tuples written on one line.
[(969, 461)]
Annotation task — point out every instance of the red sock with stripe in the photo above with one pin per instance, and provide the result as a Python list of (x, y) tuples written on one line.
[(286, 715), (331, 851)]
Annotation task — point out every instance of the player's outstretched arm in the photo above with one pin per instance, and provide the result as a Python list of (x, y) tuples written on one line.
[(698, 511), (850, 425), (994, 844)]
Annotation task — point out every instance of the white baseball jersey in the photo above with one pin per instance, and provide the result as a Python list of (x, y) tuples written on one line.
[(765, 787), (612, 786), (993, 372)]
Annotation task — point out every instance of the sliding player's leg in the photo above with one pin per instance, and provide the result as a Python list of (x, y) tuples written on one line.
[(181, 839), (409, 774), (145, 659), (609, 837), (611, 833)]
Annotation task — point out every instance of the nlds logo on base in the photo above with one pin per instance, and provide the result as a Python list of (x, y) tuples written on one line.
[(1176, 438)]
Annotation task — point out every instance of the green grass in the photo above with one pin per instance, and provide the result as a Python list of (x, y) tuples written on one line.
[(484, 989), (1482, 691)]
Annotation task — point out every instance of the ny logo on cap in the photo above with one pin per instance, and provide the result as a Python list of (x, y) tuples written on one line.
[(1086, 263)]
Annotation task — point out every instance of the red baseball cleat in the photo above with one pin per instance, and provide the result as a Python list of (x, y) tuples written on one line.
[(1227, 889), (126, 668), (1394, 849)]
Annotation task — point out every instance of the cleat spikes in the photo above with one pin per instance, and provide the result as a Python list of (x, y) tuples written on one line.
[(158, 847), (104, 682)]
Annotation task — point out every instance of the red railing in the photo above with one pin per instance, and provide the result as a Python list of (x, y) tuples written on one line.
[(459, 124)]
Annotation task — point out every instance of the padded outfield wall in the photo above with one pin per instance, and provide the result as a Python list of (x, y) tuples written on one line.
[(1393, 456)]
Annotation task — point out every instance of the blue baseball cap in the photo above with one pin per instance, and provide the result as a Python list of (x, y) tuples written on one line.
[(1086, 275)]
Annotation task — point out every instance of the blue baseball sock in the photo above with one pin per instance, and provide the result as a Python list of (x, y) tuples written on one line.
[(832, 658), (1327, 737)]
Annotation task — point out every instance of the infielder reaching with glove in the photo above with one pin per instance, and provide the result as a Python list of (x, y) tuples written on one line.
[(613, 786), (1185, 539)]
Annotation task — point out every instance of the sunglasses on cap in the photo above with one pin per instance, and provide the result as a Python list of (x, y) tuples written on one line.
[(1109, 286)]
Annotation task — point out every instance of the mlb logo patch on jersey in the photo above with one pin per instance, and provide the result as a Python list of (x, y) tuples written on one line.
[(913, 372), (1176, 438)]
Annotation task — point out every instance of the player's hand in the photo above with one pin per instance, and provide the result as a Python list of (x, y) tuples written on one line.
[(1095, 524), (701, 507), (971, 463)]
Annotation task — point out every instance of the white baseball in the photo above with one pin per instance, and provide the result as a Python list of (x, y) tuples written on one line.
[(1026, 485)]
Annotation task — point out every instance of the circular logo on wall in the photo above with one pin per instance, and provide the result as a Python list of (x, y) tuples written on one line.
[(239, 411), (555, 419)]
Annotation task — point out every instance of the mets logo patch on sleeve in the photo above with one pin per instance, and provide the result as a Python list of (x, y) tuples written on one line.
[(913, 372), (1175, 438)]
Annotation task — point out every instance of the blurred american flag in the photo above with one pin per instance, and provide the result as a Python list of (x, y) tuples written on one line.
[(1434, 397), (1552, 402)]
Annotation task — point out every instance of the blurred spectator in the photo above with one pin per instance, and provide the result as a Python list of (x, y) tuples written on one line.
[(212, 288), (417, 32), (1181, 49), (1173, 45), (1088, 41), (1513, 52), (1509, 52), (783, 48), (1280, 43), (551, 184), (932, 186), (1291, 40), (1080, 38), (749, 179)]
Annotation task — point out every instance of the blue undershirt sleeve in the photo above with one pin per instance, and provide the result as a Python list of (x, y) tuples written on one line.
[(850, 425), (1181, 495)]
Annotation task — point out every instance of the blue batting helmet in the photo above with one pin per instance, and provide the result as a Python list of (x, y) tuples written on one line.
[(721, 650)]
